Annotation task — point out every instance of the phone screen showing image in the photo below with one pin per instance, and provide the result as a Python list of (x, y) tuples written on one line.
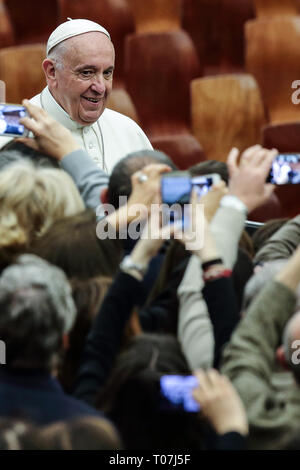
[(285, 169), (177, 189), (202, 184), (176, 393), (10, 116)]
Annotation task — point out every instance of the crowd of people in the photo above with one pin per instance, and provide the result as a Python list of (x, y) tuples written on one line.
[(102, 305)]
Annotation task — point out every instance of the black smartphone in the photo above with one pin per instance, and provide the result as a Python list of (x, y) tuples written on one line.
[(285, 169), (251, 226), (176, 393), (176, 186), (10, 115)]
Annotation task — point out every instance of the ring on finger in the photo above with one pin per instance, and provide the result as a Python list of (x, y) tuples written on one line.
[(142, 177)]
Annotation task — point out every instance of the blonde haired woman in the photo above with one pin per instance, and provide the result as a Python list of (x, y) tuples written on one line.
[(31, 199)]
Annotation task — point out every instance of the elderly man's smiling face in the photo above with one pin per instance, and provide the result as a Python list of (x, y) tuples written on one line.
[(81, 78)]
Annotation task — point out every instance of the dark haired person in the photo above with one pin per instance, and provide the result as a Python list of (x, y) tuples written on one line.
[(90, 264), (129, 383), (16, 151)]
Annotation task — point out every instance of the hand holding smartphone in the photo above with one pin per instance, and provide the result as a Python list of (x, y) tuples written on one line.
[(176, 187), (176, 393), (10, 115)]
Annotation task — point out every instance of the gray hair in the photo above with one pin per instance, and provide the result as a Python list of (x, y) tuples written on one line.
[(31, 271), (36, 308), (57, 54)]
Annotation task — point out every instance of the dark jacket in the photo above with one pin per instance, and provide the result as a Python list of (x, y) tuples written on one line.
[(37, 397)]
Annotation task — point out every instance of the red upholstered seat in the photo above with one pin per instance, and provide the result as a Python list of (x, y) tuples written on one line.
[(217, 29), (184, 149), (159, 69), (32, 20), (120, 101), (6, 30), (21, 70), (226, 112), (234, 15), (285, 137), (156, 15), (114, 15), (289, 197), (270, 210), (273, 57), (203, 25), (269, 8)]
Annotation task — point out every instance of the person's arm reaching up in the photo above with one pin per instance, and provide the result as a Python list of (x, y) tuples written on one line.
[(104, 340), (205, 324), (55, 140), (195, 328), (223, 409), (250, 358)]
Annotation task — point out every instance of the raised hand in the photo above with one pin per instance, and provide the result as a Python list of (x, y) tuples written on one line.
[(248, 179), (51, 137)]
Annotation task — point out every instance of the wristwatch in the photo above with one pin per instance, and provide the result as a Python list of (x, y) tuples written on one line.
[(234, 202), (127, 264)]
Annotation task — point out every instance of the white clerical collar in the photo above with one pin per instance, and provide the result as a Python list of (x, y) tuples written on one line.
[(57, 112)]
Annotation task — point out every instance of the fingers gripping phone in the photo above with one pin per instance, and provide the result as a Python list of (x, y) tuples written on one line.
[(285, 169), (176, 187), (10, 115)]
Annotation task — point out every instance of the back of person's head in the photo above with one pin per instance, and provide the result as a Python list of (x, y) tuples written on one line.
[(31, 199), (37, 309), (210, 166), (263, 233), (80, 434), (88, 296), (132, 396), (15, 152), (72, 244), (120, 178)]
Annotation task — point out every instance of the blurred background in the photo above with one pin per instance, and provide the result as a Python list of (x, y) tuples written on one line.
[(199, 76)]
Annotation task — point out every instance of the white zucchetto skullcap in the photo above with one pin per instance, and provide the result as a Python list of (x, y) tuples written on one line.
[(73, 28)]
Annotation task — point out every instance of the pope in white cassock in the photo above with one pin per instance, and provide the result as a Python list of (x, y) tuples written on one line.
[(79, 72)]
